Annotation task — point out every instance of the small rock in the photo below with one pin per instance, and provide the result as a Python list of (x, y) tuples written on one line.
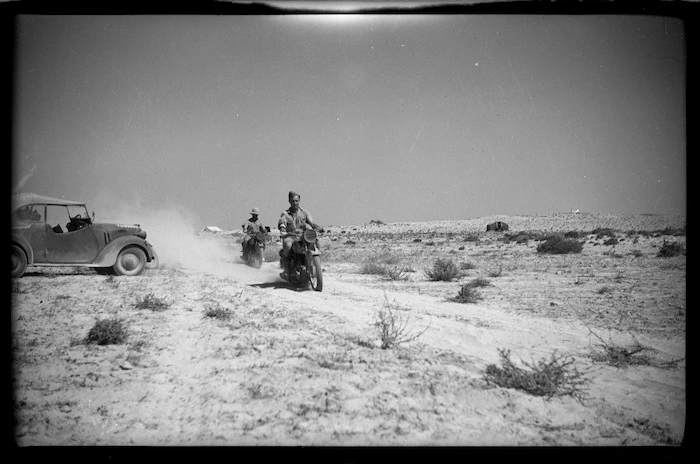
[(126, 365)]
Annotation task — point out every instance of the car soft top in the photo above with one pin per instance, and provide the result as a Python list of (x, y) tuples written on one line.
[(22, 199)]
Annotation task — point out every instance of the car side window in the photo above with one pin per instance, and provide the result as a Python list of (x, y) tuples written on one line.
[(28, 214), (57, 217)]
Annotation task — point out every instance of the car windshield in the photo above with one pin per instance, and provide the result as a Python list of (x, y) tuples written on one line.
[(81, 210)]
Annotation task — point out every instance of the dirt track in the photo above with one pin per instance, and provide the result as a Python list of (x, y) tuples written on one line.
[(305, 368)]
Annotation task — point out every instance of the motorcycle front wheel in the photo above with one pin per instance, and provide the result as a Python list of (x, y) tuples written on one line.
[(256, 258), (315, 273)]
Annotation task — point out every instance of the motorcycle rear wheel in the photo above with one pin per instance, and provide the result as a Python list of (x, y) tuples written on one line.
[(316, 273)]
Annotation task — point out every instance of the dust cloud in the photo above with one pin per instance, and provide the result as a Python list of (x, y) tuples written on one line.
[(174, 233)]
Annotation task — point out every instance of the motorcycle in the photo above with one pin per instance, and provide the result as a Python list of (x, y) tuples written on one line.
[(304, 261), (254, 248)]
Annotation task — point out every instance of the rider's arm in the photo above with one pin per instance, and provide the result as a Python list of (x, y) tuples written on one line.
[(310, 221), (282, 225)]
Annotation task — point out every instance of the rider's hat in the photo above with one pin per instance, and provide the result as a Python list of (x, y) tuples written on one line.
[(255, 210)]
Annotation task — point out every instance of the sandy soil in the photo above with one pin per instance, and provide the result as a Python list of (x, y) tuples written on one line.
[(305, 368)]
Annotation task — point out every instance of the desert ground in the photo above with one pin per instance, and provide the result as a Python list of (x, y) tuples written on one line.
[(218, 353)]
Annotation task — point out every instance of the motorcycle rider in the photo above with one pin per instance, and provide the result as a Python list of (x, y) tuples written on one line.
[(291, 225), (251, 227)]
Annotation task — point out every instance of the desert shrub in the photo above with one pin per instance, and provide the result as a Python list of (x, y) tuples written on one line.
[(396, 272), (467, 294), (430, 243), (443, 269), (675, 231), (611, 241), (636, 253), (479, 282), (392, 326), (559, 245), (151, 302), (604, 289), (216, 311), (496, 272), (466, 265), (350, 242), (573, 234), (372, 267), (519, 238), (620, 356), (377, 222), (386, 256), (471, 238), (107, 332), (670, 249), (601, 232), (554, 377), (391, 272)]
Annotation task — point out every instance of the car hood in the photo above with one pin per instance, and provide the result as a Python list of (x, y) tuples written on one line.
[(116, 230)]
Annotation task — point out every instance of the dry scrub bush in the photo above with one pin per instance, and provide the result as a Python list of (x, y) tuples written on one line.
[(604, 289), (389, 272), (554, 377), (670, 249), (466, 265), (107, 332), (443, 270), (151, 302), (468, 292), (603, 232), (392, 326), (496, 272), (519, 238), (559, 245), (616, 355), (216, 311)]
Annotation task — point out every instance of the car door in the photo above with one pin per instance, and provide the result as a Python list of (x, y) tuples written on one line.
[(63, 247)]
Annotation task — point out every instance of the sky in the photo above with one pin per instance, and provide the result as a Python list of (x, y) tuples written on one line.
[(398, 118)]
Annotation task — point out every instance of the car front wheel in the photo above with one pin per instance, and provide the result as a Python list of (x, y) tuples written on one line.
[(19, 262), (130, 262), (153, 264)]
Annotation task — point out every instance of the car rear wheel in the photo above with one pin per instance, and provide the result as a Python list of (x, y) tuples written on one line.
[(130, 262), (19, 262)]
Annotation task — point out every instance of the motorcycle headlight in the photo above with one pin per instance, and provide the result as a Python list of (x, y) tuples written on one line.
[(310, 235)]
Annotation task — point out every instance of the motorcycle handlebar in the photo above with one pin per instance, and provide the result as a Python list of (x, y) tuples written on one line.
[(320, 230)]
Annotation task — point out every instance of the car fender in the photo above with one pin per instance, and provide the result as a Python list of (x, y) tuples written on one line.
[(108, 256), (24, 244)]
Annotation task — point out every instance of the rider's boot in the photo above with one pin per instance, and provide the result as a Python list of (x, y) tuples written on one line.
[(285, 273)]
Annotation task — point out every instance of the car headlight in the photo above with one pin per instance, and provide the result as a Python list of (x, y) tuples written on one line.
[(142, 234)]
